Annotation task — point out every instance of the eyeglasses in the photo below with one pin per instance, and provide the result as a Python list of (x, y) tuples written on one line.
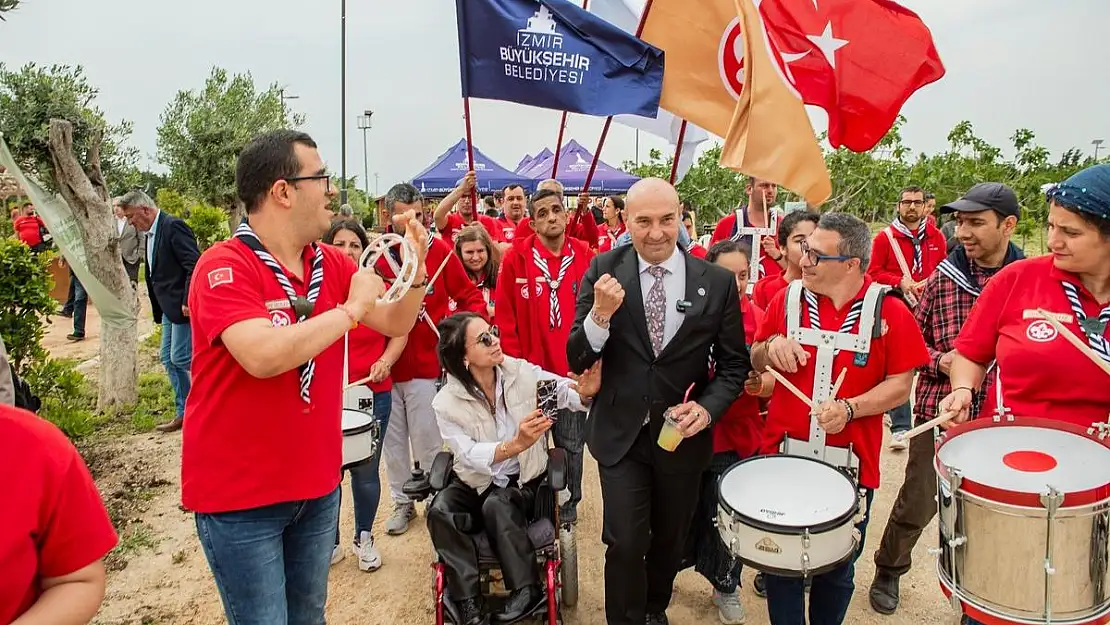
[(487, 338), (918, 203), (325, 177), (816, 258)]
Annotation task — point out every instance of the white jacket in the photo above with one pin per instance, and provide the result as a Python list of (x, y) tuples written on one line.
[(470, 430)]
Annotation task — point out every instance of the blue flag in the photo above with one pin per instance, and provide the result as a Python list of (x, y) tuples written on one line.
[(553, 54)]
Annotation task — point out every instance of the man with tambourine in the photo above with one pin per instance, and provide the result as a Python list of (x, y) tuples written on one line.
[(262, 443)]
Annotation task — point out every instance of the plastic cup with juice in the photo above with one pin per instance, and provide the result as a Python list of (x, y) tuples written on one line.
[(669, 436)]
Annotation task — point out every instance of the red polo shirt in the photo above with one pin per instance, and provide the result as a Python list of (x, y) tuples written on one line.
[(455, 222), (607, 237), (740, 429), (1040, 372), (884, 267), (767, 288), (54, 521), (366, 346), (727, 227), (508, 228), (29, 229), (899, 350), (250, 442)]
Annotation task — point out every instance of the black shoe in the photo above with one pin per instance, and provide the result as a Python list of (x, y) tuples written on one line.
[(659, 618), (760, 586), (568, 514), (884, 593), (522, 602), (75, 337), (471, 611)]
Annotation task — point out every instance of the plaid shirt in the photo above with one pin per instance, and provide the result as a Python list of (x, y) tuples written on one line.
[(941, 312)]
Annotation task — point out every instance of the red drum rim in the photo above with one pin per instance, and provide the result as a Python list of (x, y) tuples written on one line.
[(1019, 498), (987, 618)]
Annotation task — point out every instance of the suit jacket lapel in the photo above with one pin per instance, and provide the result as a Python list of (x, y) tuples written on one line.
[(157, 236), (628, 274), (697, 290)]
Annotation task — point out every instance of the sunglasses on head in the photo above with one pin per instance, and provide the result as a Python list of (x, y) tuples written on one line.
[(488, 337)]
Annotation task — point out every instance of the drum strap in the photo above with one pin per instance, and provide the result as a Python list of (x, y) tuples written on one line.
[(828, 343), (741, 229)]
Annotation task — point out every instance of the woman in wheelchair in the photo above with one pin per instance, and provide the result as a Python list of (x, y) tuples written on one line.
[(488, 417)]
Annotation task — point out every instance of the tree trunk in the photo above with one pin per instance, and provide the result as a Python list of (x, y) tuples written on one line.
[(87, 196), (235, 215)]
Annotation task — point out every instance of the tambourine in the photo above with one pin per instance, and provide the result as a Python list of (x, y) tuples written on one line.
[(405, 272)]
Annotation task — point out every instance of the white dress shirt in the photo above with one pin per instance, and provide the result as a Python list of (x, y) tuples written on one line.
[(121, 223), (150, 241), (478, 456), (674, 283)]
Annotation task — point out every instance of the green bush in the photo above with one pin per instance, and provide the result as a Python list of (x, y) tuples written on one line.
[(173, 203), (209, 224), (67, 400), (25, 302)]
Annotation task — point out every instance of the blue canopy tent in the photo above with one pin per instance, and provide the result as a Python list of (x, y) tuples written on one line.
[(442, 176), (574, 166), (527, 163)]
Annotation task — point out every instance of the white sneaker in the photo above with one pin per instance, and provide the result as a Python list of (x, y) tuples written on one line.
[(398, 522), (887, 421), (337, 555), (898, 444), (368, 557), (729, 609)]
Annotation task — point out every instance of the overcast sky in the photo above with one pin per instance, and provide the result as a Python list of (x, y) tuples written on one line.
[(1004, 71)]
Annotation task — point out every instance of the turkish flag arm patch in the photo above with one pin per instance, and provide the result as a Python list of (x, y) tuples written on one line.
[(216, 277)]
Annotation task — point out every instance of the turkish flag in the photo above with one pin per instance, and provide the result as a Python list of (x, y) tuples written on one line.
[(860, 60)]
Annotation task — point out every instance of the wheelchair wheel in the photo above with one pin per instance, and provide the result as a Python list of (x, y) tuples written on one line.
[(568, 572)]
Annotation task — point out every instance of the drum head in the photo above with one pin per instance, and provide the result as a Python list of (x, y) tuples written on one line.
[(788, 494), (356, 422), (1015, 462)]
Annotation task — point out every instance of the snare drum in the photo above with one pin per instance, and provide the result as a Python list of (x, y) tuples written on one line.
[(1024, 519), (788, 515), (360, 437)]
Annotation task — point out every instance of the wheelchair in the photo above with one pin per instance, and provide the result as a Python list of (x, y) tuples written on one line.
[(554, 544)]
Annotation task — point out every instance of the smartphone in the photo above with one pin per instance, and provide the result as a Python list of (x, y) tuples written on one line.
[(547, 398)]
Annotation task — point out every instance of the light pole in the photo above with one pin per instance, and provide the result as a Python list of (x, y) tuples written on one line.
[(1098, 144), (343, 100), (281, 94), (364, 125), (375, 183)]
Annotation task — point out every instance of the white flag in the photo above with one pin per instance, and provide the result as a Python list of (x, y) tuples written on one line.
[(625, 14)]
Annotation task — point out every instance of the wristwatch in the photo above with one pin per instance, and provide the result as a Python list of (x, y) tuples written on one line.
[(601, 320)]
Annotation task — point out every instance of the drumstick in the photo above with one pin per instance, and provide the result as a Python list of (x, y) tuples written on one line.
[(944, 417), (839, 381), (440, 270), (368, 378), (790, 387), (1075, 340)]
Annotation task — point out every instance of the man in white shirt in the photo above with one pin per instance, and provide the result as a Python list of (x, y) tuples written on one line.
[(653, 314)]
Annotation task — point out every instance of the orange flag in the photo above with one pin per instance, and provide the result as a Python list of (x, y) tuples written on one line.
[(701, 82), (770, 136)]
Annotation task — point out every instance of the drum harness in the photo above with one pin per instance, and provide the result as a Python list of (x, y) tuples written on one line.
[(828, 344), (742, 230)]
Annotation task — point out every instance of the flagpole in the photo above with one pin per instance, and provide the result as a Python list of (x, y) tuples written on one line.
[(470, 154), (609, 120), (559, 144), (563, 121), (678, 150)]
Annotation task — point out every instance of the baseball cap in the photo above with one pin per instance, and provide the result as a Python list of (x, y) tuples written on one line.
[(985, 196)]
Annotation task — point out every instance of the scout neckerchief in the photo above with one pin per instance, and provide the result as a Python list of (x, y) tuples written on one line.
[(917, 239), (555, 318), (1093, 327), (957, 267), (302, 306), (845, 328)]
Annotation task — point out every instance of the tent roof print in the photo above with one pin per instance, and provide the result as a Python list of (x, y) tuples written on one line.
[(442, 176)]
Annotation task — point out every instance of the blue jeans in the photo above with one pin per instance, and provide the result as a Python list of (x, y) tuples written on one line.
[(366, 485), (271, 563), (177, 357), (830, 593), (80, 305), (901, 419)]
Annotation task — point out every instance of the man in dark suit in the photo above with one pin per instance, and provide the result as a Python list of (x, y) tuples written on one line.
[(171, 255), (654, 343)]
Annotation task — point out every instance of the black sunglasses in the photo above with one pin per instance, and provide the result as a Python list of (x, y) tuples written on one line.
[(488, 337)]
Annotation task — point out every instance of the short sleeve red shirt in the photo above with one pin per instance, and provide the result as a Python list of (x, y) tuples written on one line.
[(1003, 326), (29, 229), (899, 350), (250, 442), (54, 521), (365, 347), (455, 222)]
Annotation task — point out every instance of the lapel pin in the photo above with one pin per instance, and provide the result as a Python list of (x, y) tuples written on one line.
[(701, 292)]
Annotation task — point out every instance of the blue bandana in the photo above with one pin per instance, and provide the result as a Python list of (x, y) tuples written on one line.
[(1088, 191)]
